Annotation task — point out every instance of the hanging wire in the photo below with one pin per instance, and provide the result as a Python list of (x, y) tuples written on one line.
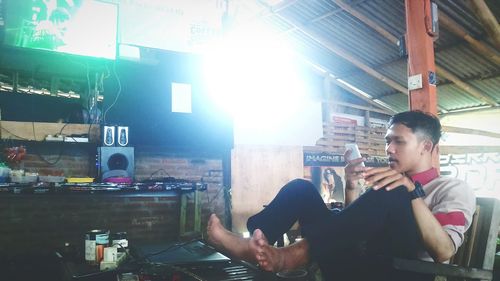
[(60, 150), (117, 94)]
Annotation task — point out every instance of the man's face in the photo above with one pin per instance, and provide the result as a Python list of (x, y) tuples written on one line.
[(404, 148)]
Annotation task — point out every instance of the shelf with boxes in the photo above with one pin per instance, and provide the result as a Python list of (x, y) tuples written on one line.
[(36, 152)]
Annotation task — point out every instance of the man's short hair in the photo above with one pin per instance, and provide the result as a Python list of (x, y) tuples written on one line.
[(419, 122)]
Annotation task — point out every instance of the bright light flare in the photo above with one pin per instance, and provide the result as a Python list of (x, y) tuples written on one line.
[(252, 75)]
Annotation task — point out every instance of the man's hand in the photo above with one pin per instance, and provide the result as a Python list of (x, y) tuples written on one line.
[(353, 171), (388, 178)]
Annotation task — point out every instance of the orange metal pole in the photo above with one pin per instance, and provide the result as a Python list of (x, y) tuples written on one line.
[(420, 49)]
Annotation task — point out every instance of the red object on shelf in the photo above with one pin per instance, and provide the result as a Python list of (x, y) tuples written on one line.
[(344, 121), (14, 154)]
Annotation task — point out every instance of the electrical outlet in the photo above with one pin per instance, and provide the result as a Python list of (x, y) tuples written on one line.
[(415, 82)]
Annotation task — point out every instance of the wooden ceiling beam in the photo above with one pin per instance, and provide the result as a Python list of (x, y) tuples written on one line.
[(326, 73), (449, 24), (283, 6), (487, 19), (459, 31), (469, 110), (360, 107), (459, 149), (468, 131), (440, 70), (322, 70), (372, 24), (354, 72), (269, 10), (372, 101), (444, 21), (345, 55), (326, 15), (465, 86), (394, 61)]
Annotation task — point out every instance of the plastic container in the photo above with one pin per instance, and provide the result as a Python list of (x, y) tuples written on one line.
[(51, 178), (23, 179), (119, 239)]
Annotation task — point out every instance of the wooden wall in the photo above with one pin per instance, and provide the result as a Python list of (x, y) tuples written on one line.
[(258, 172)]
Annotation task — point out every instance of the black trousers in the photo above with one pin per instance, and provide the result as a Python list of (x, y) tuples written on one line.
[(354, 244)]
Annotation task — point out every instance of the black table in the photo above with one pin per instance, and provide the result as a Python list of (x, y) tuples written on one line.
[(191, 261)]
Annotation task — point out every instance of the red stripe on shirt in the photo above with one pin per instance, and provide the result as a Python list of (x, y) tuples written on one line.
[(451, 218)]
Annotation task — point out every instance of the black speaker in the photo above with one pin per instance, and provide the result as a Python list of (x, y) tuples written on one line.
[(116, 162)]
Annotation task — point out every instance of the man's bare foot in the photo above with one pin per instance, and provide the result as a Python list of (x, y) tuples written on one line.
[(227, 242), (268, 257), (256, 249), (216, 232), (279, 259)]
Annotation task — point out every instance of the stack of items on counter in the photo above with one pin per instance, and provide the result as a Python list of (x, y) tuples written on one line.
[(149, 185), (20, 181), (21, 176), (100, 252)]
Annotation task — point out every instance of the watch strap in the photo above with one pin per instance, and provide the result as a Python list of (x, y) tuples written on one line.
[(418, 192)]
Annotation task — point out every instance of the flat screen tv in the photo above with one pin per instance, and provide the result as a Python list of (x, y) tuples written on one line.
[(78, 27)]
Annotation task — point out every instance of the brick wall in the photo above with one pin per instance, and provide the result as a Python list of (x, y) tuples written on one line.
[(70, 159), (37, 224)]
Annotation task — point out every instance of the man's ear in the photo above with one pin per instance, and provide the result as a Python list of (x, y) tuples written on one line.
[(428, 146)]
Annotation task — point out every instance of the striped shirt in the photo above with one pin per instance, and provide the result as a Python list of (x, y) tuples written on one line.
[(451, 201)]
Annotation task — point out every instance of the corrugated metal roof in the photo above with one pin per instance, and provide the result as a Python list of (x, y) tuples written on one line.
[(396, 70), (369, 84), (489, 86), (388, 13), (452, 98), (325, 23), (464, 62), (398, 102)]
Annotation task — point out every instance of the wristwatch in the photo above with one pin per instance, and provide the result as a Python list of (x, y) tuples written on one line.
[(418, 192)]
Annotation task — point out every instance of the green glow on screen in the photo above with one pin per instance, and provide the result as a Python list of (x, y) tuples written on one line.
[(84, 27)]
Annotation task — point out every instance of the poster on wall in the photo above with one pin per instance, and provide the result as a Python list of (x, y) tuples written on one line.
[(326, 171), (480, 170)]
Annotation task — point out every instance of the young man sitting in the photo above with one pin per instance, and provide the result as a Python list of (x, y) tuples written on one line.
[(409, 211)]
